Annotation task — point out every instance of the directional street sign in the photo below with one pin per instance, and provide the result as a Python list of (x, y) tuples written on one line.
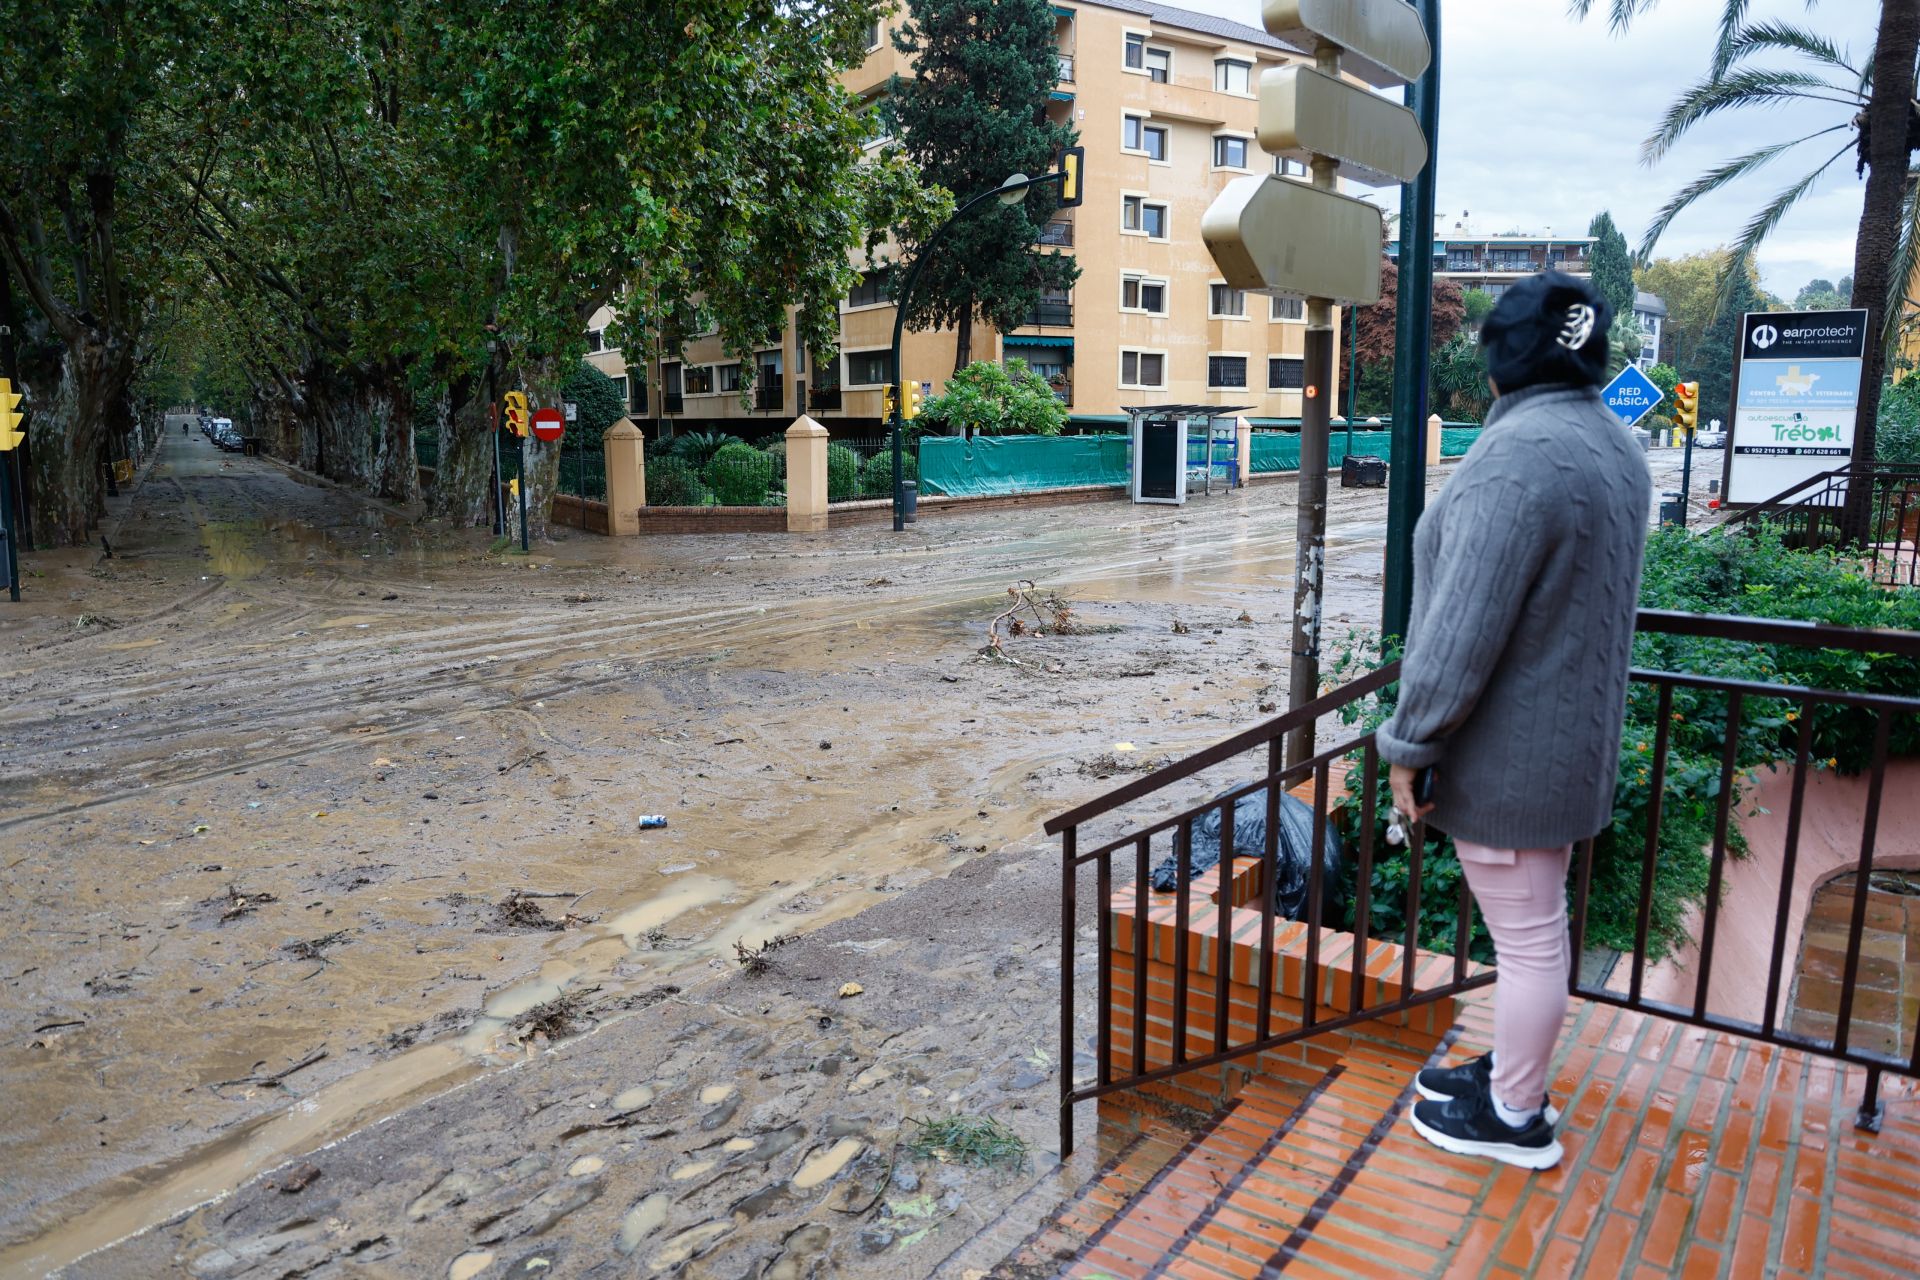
[(548, 424), (1305, 112), (1273, 235), (1381, 41), (1632, 395)]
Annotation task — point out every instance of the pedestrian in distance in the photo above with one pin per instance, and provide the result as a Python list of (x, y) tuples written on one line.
[(1513, 686)]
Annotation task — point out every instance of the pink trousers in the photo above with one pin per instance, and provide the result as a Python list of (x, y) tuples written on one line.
[(1523, 898)]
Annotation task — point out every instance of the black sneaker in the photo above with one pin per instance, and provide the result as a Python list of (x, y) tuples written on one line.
[(1441, 1084), (1469, 1126)]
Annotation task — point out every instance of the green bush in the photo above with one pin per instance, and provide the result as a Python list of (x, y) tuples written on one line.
[(698, 447), (876, 474), (1897, 437), (992, 398), (843, 473), (740, 475), (673, 482), (1719, 572)]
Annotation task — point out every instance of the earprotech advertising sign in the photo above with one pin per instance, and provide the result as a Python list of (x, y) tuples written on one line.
[(1796, 399)]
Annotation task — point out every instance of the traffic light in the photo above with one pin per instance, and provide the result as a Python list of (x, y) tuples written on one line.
[(1071, 162), (10, 417), (886, 402), (1686, 400), (916, 395), (518, 412)]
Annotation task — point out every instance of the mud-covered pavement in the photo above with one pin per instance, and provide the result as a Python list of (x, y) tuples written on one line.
[(310, 814)]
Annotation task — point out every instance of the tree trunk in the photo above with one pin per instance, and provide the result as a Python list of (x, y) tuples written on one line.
[(1887, 112), (389, 408), (69, 429), (963, 338), (462, 482)]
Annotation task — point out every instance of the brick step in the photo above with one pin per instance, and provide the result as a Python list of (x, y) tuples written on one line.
[(1249, 1192)]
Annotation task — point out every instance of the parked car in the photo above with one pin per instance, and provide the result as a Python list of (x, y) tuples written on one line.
[(226, 435), (1710, 438)]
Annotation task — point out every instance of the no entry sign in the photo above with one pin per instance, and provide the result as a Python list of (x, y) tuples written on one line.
[(548, 424)]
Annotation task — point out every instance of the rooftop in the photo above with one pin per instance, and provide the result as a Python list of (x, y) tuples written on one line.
[(1204, 23)]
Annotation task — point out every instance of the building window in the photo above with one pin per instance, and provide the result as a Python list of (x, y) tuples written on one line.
[(672, 379), (1140, 214), (1148, 139), (1287, 168), (1230, 76), (1224, 300), (636, 395), (1137, 293), (826, 377), (871, 291), (1510, 260), (727, 377), (1226, 371), (1229, 153), (879, 127), (596, 341), (1157, 63), (1286, 373), (1143, 369), (1286, 309), (876, 35), (699, 379), (869, 368)]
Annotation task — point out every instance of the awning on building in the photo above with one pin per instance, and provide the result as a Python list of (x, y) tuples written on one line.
[(1037, 340)]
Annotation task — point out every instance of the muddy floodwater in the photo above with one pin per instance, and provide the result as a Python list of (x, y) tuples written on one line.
[(309, 813)]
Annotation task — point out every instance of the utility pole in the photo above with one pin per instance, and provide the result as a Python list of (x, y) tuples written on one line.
[(1269, 235), (1413, 343)]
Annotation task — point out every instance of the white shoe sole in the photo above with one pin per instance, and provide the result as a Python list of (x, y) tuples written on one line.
[(1536, 1159), (1434, 1095)]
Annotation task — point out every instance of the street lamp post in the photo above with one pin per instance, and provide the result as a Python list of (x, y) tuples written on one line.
[(1012, 191)]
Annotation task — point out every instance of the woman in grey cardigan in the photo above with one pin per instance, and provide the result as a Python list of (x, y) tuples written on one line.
[(1514, 683)]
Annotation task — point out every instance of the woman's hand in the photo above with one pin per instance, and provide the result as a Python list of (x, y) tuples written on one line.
[(1400, 778)]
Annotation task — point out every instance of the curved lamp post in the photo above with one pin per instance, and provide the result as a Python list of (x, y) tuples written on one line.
[(1010, 192)]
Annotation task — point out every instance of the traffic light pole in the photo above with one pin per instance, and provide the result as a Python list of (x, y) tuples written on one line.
[(900, 325), (520, 476), (1413, 337), (1686, 477)]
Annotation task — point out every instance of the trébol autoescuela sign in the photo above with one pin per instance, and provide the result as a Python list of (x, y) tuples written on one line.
[(1796, 399)]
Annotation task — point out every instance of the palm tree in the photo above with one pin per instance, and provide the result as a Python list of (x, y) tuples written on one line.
[(1872, 105)]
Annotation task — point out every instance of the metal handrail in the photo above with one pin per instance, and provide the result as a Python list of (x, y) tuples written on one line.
[(1123, 1067)]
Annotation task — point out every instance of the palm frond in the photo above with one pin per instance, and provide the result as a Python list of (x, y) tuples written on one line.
[(1906, 256), (1762, 224), (1730, 19), (1712, 180), (1780, 37), (1752, 87), (1620, 13)]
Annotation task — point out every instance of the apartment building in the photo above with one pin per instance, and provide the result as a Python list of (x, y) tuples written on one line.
[(1164, 100), (1494, 263)]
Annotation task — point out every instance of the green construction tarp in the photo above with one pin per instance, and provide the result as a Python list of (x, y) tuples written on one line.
[(1280, 450), (953, 467)]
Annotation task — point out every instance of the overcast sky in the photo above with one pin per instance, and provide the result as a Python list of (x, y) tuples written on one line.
[(1541, 119)]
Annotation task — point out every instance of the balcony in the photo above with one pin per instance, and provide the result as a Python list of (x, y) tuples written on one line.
[(1058, 232), (1066, 68), (768, 393), (1049, 313), (673, 402), (824, 400)]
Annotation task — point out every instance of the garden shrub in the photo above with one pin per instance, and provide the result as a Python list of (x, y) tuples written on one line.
[(673, 482), (698, 447), (740, 475), (843, 473), (876, 474)]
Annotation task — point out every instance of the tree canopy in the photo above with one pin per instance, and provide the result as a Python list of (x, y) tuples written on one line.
[(1612, 267), (973, 114)]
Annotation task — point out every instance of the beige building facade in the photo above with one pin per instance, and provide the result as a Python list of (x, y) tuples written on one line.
[(1164, 101)]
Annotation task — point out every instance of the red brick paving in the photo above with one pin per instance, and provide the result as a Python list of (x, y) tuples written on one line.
[(1690, 1154)]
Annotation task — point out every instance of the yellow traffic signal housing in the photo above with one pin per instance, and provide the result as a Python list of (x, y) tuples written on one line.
[(916, 395), (887, 402), (10, 417), (518, 412), (1686, 398), (1072, 162)]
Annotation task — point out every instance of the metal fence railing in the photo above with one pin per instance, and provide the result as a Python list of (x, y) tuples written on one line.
[(1136, 1045), (1809, 517)]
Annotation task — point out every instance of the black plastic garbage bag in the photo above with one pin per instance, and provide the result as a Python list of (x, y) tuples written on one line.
[(1250, 841)]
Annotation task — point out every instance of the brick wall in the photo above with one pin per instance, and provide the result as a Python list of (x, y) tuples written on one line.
[(579, 513), (713, 519)]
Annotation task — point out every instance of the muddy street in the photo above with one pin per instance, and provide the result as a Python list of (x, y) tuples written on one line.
[(310, 813)]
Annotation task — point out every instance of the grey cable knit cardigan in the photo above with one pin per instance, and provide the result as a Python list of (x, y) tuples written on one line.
[(1526, 579)]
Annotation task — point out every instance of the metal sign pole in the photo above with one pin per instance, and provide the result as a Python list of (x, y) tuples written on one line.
[(12, 564), (520, 472)]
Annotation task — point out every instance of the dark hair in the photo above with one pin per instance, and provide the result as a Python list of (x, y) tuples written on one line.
[(1529, 336)]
